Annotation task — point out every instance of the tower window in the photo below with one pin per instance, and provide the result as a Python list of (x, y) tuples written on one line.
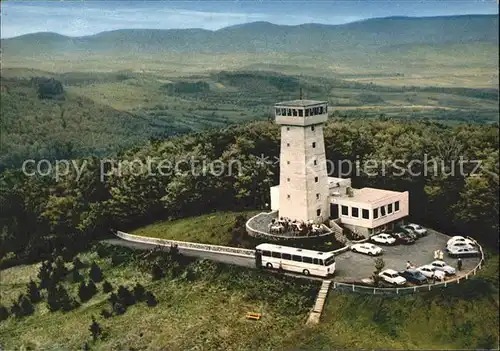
[(301, 113), (295, 112), (375, 213), (287, 162), (315, 162), (317, 196), (287, 179), (365, 214), (287, 129), (389, 208), (396, 206), (288, 144), (316, 179), (307, 112), (318, 212), (320, 110), (312, 128), (314, 145), (345, 210), (288, 196), (289, 112), (283, 111), (278, 112), (355, 212)]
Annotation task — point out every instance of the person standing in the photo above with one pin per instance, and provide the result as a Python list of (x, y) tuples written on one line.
[(441, 255), (408, 265), (459, 264), (436, 254)]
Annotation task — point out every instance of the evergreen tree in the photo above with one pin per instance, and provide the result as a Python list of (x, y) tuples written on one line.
[(66, 303), (77, 263), (95, 329), (125, 296), (151, 299), (53, 298), (26, 305), (113, 299), (15, 309), (91, 289), (107, 287), (156, 272), (86, 347), (4, 313), (44, 274), (83, 292), (33, 292), (95, 273), (76, 276), (139, 292), (60, 270), (105, 313)]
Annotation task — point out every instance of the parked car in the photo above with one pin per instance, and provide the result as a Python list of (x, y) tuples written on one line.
[(414, 276), (403, 238), (392, 277), (407, 232), (463, 251), (443, 266), (417, 229), (383, 238), (431, 271), (458, 245), (367, 248), (460, 239)]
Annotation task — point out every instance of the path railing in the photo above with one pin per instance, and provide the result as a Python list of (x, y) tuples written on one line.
[(408, 290), (227, 250)]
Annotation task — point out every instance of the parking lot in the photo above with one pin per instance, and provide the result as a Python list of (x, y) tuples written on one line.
[(352, 266)]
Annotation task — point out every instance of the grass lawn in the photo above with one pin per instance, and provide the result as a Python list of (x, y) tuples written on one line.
[(214, 228)]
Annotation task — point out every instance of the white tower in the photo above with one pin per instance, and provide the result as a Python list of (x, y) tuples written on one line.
[(303, 188)]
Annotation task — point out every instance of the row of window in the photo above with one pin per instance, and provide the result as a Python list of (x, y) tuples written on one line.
[(302, 112), (365, 214), (288, 129), (313, 145), (297, 258)]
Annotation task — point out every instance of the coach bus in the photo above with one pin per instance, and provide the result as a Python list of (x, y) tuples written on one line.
[(307, 262)]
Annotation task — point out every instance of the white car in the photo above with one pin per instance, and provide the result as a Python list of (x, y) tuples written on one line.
[(460, 239), (458, 245), (443, 266), (430, 271), (417, 229), (383, 238), (463, 251), (367, 248), (392, 277)]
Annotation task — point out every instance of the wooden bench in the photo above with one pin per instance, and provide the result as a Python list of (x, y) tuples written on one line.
[(253, 315)]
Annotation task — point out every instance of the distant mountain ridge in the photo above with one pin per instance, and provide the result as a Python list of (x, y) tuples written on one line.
[(267, 37)]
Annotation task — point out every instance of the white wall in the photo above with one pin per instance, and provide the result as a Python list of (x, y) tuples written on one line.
[(275, 197)]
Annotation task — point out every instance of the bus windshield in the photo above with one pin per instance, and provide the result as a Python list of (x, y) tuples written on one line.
[(330, 260)]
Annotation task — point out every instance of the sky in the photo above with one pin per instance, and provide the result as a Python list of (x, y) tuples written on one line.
[(78, 18)]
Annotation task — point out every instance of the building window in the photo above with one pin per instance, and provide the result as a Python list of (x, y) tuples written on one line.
[(312, 128), (287, 162), (318, 212), (283, 111), (355, 212), (375, 213), (307, 112), (294, 112), (289, 112), (345, 211), (326, 108), (389, 208), (382, 211), (301, 113), (288, 196), (396, 206), (317, 196), (287, 179), (365, 214), (287, 129), (315, 162), (316, 179), (321, 110), (278, 112), (314, 145), (288, 144)]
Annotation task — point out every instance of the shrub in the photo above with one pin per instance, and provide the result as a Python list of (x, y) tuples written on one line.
[(44, 274), (60, 270), (107, 287), (151, 299), (106, 314), (156, 272), (113, 299), (4, 313), (15, 309), (83, 292), (125, 296), (77, 263), (33, 292), (27, 307), (76, 276), (95, 329), (95, 273), (139, 292), (118, 308), (91, 289)]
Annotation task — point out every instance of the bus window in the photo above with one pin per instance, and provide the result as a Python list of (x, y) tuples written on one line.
[(297, 258), (315, 261), (307, 260), (286, 256), (321, 263), (266, 253), (330, 260), (276, 254)]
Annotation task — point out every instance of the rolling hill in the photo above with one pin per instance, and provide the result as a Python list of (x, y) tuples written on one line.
[(261, 37)]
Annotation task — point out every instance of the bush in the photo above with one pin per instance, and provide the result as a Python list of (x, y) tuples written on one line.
[(125, 296), (156, 272), (139, 292), (95, 329), (151, 299), (44, 274), (60, 270), (33, 292), (77, 263), (4, 313), (91, 289), (83, 292), (15, 309), (118, 308), (27, 307), (113, 299), (106, 314), (95, 273), (107, 287), (76, 276)]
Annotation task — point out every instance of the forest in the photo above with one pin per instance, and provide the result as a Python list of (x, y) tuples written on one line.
[(40, 214)]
